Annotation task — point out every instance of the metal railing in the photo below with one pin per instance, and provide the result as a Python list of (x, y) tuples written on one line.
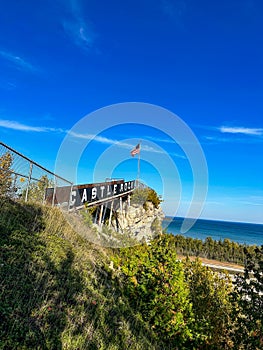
[(23, 179), (141, 185)]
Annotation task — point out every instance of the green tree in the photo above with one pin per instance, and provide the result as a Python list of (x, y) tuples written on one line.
[(7, 187), (37, 189), (154, 282), (143, 195), (210, 298), (248, 298)]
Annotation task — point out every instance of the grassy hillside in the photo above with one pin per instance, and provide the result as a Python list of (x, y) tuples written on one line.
[(56, 289), (59, 291)]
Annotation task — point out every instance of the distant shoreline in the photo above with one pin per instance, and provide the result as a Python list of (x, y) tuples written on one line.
[(241, 233), (168, 217)]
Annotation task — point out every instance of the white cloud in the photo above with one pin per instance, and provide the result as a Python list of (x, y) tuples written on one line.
[(174, 9), (157, 139), (126, 145), (90, 137), (241, 130), (7, 85), (252, 203), (79, 33), (18, 61), (77, 28), (104, 140), (253, 200), (9, 124)]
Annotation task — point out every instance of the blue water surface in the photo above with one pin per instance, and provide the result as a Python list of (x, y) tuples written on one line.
[(244, 233)]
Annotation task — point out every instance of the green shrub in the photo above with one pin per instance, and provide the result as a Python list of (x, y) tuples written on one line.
[(7, 187), (247, 298), (143, 195), (87, 217), (154, 282), (210, 299)]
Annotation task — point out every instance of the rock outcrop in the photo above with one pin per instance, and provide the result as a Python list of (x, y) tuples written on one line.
[(141, 221)]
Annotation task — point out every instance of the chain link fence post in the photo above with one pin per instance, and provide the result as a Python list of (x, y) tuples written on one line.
[(54, 191), (28, 180), (70, 196)]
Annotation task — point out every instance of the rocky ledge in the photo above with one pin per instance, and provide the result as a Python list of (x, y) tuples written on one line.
[(141, 221)]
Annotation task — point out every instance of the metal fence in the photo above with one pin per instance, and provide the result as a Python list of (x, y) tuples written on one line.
[(23, 179)]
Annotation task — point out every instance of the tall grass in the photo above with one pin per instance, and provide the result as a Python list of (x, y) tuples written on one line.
[(57, 290)]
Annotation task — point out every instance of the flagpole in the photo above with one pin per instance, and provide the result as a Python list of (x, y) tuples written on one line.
[(139, 164)]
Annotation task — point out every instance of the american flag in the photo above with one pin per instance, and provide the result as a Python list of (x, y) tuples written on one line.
[(136, 150)]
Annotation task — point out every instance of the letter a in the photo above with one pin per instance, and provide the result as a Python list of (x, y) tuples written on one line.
[(84, 196)]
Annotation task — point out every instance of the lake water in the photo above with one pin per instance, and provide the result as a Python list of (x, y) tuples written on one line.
[(245, 233)]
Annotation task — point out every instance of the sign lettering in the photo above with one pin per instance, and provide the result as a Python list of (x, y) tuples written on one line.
[(89, 193)]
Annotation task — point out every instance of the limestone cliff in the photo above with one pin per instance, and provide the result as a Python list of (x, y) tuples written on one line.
[(142, 221)]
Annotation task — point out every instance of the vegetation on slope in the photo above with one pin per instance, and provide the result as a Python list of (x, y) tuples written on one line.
[(222, 250), (143, 195), (58, 291), (186, 304), (247, 299)]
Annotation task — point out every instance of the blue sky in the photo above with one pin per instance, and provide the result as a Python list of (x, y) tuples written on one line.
[(201, 60)]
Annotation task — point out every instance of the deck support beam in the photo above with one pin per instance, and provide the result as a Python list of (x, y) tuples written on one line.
[(111, 208), (100, 217)]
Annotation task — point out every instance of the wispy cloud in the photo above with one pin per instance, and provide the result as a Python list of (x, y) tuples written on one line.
[(241, 130), (14, 125), (79, 33), (215, 139), (175, 10), (7, 85), (218, 139), (237, 134), (252, 203), (158, 139), (126, 145), (10, 124), (97, 138), (77, 28), (17, 61), (106, 140), (253, 200)]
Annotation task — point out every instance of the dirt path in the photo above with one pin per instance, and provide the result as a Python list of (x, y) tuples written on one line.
[(216, 264)]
